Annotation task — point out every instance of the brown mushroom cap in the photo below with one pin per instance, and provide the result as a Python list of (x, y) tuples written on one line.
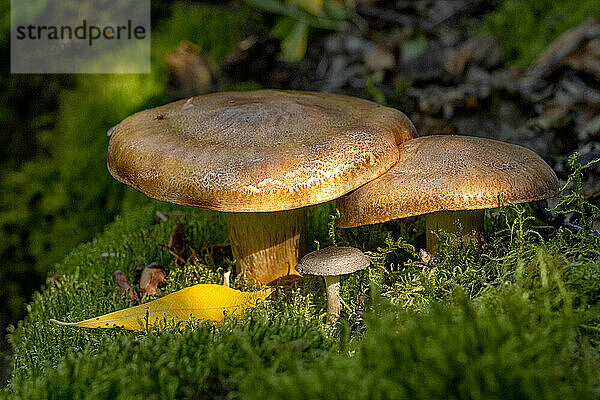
[(254, 151), (333, 261), (445, 172)]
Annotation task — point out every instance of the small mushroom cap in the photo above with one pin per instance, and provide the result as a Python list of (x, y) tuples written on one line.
[(332, 261), (264, 150), (446, 172)]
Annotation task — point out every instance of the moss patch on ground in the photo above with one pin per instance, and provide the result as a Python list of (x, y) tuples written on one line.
[(515, 317)]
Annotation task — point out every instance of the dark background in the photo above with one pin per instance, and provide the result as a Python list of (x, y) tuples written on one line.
[(526, 72)]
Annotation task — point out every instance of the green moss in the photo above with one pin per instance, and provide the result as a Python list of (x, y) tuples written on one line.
[(524, 338), (511, 349), (516, 317), (526, 28), (199, 362)]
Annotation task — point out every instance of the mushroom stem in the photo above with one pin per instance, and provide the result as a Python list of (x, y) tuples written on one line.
[(267, 245), (470, 220), (332, 285)]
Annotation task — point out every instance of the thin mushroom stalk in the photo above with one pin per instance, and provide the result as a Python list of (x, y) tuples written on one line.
[(330, 263), (334, 306)]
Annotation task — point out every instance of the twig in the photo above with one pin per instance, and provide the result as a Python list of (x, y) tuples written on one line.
[(164, 246)]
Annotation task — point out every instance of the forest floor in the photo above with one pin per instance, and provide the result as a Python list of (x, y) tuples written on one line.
[(517, 316)]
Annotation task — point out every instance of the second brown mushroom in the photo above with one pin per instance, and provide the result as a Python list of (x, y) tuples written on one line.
[(450, 179)]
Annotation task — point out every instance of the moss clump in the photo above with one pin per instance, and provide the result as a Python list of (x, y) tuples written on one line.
[(516, 317), (198, 362), (510, 348)]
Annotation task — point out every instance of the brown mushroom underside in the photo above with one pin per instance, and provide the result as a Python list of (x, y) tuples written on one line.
[(259, 151)]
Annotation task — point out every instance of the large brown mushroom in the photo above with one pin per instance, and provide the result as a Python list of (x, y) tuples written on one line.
[(449, 178), (261, 157)]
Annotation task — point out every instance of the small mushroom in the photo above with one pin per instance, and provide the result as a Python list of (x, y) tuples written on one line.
[(331, 263), (449, 178), (261, 157)]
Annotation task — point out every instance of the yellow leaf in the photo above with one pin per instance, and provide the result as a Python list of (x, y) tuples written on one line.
[(204, 301)]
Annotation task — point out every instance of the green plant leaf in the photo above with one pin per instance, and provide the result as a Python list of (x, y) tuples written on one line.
[(293, 46)]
